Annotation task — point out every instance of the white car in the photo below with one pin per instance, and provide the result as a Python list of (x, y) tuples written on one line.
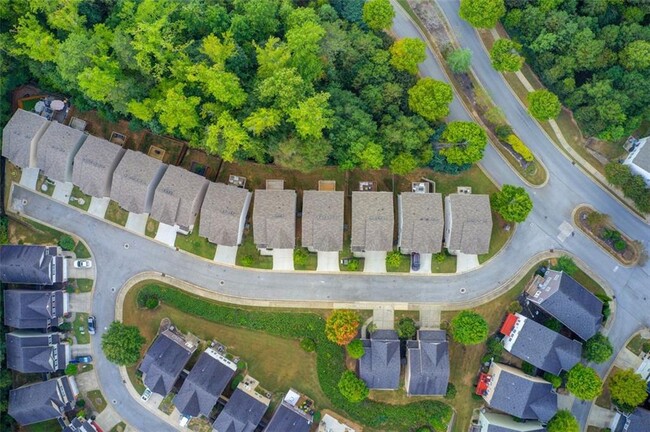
[(146, 395), (83, 263)]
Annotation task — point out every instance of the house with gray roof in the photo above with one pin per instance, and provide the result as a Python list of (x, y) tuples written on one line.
[(94, 165), (274, 219), (32, 265), (639, 158), (421, 222), (204, 384), (509, 390), (288, 417), (494, 422), (322, 220), (562, 297), (223, 214), (468, 223), (80, 424), (372, 221), (30, 309), (164, 361), (34, 403), (427, 363), (20, 137), (380, 365), (638, 421), (31, 352), (539, 345), (56, 150), (243, 411), (134, 181)]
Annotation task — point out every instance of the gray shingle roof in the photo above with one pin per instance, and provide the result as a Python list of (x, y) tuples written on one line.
[(30, 352), (19, 135), (497, 422), (287, 419), (428, 363), (372, 221), (468, 223), (132, 180), (164, 361), (178, 197), (274, 219), (380, 365), (29, 309), (545, 348), (572, 304), (642, 158), (204, 384), (421, 222), (56, 150), (223, 214), (42, 401), (94, 165), (79, 425), (638, 421), (495, 428), (241, 414), (322, 220), (31, 265)]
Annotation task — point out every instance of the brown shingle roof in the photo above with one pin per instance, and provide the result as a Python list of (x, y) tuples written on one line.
[(469, 219), (178, 197), (274, 219), (94, 165), (421, 222), (322, 220), (56, 150), (223, 213), (372, 221), (131, 180), (19, 135)]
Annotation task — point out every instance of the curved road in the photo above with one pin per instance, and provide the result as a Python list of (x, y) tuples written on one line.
[(554, 203)]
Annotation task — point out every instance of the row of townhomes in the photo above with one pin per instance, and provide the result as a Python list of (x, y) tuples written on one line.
[(173, 196)]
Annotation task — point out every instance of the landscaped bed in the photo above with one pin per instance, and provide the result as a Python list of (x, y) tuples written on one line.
[(79, 199)]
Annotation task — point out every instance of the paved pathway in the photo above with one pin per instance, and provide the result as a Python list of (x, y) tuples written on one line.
[(137, 222), (226, 255), (98, 206), (80, 302)]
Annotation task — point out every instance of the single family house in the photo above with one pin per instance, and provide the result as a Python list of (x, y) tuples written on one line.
[(223, 214), (494, 422), (34, 403), (288, 417), (421, 222), (322, 220), (468, 223), (30, 309), (56, 150), (380, 365), (372, 221), (31, 352), (427, 364), (639, 159), (638, 421), (134, 181), (244, 409), (20, 138), (32, 265), (94, 165), (274, 219)]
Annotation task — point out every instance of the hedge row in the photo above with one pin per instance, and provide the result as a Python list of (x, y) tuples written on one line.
[(330, 358), (519, 147)]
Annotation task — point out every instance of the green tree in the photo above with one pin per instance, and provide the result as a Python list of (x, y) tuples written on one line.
[(636, 55), (468, 328), (482, 13), (505, 57), (263, 120), (342, 326), (227, 137), (460, 60), (304, 44), (430, 98), (555, 380), (302, 154), (311, 116), (628, 390), (466, 142), (543, 105), (35, 41), (512, 202), (177, 112), (597, 349), (355, 349), (122, 344), (371, 156), (566, 264), (406, 54), (352, 388), (66, 242), (563, 421), (308, 344), (378, 14), (404, 163), (406, 328), (584, 382)]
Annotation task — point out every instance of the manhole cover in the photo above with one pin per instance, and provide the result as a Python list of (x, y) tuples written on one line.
[(113, 289), (126, 246), (222, 283), (24, 202), (463, 290), (114, 401)]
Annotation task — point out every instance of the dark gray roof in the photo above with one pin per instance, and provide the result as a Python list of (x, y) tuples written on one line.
[(322, 220), (164, 361), (30, 352), (545, 348), (523, 397), (421, 222), (287, 419), (372, 221), (42, 401), (79, 425), (223, 214), (380, 365), (19, 135), (573, 305), (470, 220), (428, 363), (274, 219), (56, 150), (638, 421), (178, 197), (31, 265), (242, 413), (204, 384), (132, 178), (29, 309), (94, 165)]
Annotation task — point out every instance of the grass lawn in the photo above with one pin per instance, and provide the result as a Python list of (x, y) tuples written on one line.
[(84, 367), (97, 400), (136, 381), (311, 262), (46, 426), (120, 427), (81, 321), (446, 265), (76, 195), (586, 281), (195, 244), (404, 265), (12, 175), (81, 251), (249, 256), (22, 231), (604, 400), (81, 285), (152, 228), (116, 214), (636, 344), (498, 238), (166, 404), (43, 181), (347, 253)]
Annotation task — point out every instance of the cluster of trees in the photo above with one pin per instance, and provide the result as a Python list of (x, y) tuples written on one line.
[(266, 80), (632, 185)]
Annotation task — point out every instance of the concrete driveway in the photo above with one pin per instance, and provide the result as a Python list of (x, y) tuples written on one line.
[(29, 177), (80, 302), (282, 259), (328, 262), (226, 255), (425, 264), (374, 262), (137, 222), (165, 234), (466, 262), (62, 191), (81, 350), (98, 206)]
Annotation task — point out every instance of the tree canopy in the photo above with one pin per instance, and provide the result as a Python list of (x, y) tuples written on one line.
[(463, 142), (597, 349), (352, 388), (482, 13), (469, 328), (341, 326), (355, 349), (378, 14), (543, 105), (563, 421), (628, 389), (512, 202), (584, 382), (430, 98), (122, 344), (505, 57), (406, 54), (406, 328)]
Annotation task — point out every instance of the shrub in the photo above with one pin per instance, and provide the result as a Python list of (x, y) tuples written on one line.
[(620, 245), (628, 390), (393, 259), (451, 391), (352, 388), (645, 347), (235, 382), (515, 307), (355, 349), (406, 328), (494, 346), (503, 131), (553, 324), (555, 380), (4, 232), (341, 326), (469, 328), (566, 264), (81, 403), (440, 257), (308, 344), (247, 261), (353, 265), (65, 327), (528, 368), (71, 369), (584, 382), (300, 257), (519, 147), (66, 242), (632, 185), (459, 60), (151, 303), (597, 349)]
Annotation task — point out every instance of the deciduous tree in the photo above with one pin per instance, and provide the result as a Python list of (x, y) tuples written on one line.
[(468, 328), (597, 349), (407, 54), (512, 202), (342, 326), (352, 388), (406, 328), (482, 13), (378, 14), (505, 57), (628, 389), (430, 98), (584, 382), (543, 105), (311, 116), (636, 55), (121, 344), (463, 142), (355, 349), (563, 421)]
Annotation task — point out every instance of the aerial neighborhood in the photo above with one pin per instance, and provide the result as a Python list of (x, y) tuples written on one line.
[(325, 216)]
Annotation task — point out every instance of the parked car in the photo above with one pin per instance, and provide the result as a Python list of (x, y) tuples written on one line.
[(184, 420), (91, 325), (415, 261), (146, 394), (82, 359), (83, 263)]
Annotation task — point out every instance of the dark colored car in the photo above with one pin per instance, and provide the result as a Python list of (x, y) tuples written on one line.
[(91, 325), (415, 261), (82, 359)]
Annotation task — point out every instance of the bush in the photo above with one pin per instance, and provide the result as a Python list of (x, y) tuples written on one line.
[(355, 349), (440, 257), (80, 403), (147, 300), (4, 230), (555, 380), (645, 347), (515, 307), (352, 388), (632, 185), (451, 391), (503, 131), (300, 257), (519, 147), (65, 327), (66, 242), (247, 261), (563, 421), (597, 349), (406, 328), (308, 344), (566, 264), (553, 324), (393, 259), (235, 382), (620, 245), (151, 303), (528, 368), (71, 369), (342, 326), (469, 328), (494, 347), (353, 265), (459, 60)]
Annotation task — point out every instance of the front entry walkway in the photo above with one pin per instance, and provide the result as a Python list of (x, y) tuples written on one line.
[(466, 262), (137, 222), (62, 191), (165, 234), (328, 262), (29, 178), (282, 259), (384, 318), (374, 262), (226, 255)]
